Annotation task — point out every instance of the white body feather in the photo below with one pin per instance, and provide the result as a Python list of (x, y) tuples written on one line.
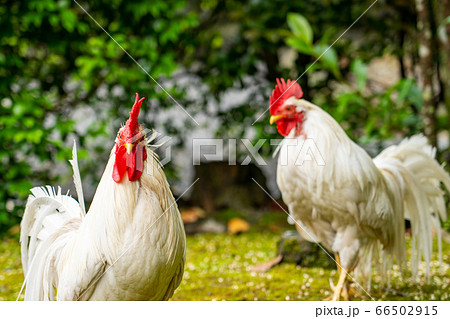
[(129, 246), (356, 206)]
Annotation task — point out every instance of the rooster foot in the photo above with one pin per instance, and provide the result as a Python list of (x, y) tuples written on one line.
[(345, 291)]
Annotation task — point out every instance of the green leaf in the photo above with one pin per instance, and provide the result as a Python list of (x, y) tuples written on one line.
[(415, 96), (54, 20), (20, 187), (359, 69), (411, 120), (68, 19), (447, 20), (300, 46), (327, 55), (311, 67), (300, 27), (404, 89), (370, 125)]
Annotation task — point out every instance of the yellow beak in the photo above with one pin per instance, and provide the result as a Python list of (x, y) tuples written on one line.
[(129, 147), (275, 118)]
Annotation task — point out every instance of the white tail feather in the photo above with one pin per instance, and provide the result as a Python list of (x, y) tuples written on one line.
[(410, 169), (46, 214), (77, 177)]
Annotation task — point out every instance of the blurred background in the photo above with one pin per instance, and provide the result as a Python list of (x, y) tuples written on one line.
[(63, 78)]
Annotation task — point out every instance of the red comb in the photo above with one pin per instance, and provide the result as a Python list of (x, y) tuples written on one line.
[(132, 125), (283, 91)]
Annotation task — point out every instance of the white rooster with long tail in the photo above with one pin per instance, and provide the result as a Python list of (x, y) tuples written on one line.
[(353, 205), (129, 246)]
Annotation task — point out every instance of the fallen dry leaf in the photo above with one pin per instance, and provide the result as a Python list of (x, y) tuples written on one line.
[(268, 265), (237, 225), (192, 214)]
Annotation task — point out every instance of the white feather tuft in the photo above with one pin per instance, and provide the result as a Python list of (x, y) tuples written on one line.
[(77, 177), (46, 213)]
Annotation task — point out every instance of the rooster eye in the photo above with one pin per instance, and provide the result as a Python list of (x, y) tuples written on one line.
[(289, 108)]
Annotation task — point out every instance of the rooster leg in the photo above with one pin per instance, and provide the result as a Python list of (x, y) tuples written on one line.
[(340, 286), (344, 289), (343, 286), (351, 290), (337, 259)]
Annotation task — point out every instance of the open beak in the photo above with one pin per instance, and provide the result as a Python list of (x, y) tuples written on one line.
[(275, 118), (129, 147)]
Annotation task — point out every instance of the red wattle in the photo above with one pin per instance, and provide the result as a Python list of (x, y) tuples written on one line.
[(137, 162), (132, 163), (286, 125), (120, 164)]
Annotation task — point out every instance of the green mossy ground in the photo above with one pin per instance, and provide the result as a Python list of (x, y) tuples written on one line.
[(11, 274), (218, 268)]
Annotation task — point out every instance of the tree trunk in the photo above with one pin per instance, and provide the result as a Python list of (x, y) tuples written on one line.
[(441, 54), (427, 68), (444, 42)]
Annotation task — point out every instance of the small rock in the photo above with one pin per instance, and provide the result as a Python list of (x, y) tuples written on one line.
[(297, 250), (211, 226), (293, 247), (205, 226)]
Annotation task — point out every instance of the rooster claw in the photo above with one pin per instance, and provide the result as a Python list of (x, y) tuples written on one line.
[(345, 292), (332, 285)]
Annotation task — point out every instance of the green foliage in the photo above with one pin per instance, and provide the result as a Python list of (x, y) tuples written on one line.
[(57, 65), (300, 27), (302, 40), (54, 60), (11, 274), (446, 225), (366, 115), (359, 69), (240, 46), (395, 110)]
